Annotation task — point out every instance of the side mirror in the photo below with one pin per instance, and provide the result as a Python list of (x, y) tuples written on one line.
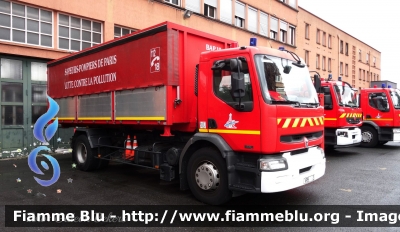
[(328, 102), (326, 90), (287, 69), (317, 83), (235, 64), (237, 82)]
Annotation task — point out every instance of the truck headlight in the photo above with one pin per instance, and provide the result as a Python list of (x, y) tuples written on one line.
[(273, 164), (396, 130), (342, 133)]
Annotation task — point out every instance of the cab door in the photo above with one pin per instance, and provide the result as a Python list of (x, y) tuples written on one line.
[(236, 120), (379, 109)]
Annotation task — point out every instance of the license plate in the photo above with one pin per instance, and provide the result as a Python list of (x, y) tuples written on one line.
[(308, 179)]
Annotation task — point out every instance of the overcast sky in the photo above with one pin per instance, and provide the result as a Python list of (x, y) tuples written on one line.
[(371, 21)]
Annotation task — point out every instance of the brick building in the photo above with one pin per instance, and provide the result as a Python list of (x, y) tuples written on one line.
[(329, 50), (33, 32)]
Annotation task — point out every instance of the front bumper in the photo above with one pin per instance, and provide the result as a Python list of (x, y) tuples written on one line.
[(302, 169), (353, 136)]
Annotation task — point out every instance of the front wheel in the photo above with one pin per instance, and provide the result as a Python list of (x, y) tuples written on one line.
[(207, 177), (369, 137)]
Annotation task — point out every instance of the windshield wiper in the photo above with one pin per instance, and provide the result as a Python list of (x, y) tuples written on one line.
[(286, 102)]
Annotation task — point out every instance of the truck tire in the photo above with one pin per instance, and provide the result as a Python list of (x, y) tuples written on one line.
[(369, 137), (207, 177), (84, 154)]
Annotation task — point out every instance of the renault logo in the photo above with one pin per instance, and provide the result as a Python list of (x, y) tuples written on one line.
[(305, 142)]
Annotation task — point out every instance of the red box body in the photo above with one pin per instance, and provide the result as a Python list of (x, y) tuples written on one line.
[(163, 55)]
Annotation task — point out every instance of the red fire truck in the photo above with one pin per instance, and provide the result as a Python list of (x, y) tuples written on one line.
[(381, 110), (219, 118), (343, 116)]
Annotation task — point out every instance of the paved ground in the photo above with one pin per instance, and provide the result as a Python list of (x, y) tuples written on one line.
[(354, 176)]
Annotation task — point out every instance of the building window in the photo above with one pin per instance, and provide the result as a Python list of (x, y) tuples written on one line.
[(121, 31), (175, 2), (226, 11), (329, 41), (25, 24), (346, 49), (306, 57), (317, 62), (193, 5), (239, 14), (324, 39), (374, 60), (293, 3), (283, 30), (359, 54), (318, 36), (346, 69), (341, 46), (274, 28), (323, 63), (77, 34), (367, 58), (363, 75), (307, 31), (377, 77), (359, 74), (367, 76), (252, 21), (210, 8), (329, 64), (263, 24), (292, 36), (341, 68)]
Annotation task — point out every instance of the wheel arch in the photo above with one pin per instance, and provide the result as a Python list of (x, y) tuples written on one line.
[(198, 141)]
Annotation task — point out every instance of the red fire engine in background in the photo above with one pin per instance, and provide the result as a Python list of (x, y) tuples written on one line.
[(342, 115), (381, 110), (219, 118)]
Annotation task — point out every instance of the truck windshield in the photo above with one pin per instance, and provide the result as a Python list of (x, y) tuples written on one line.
[(279, 87), (395, 95), (345, 95)]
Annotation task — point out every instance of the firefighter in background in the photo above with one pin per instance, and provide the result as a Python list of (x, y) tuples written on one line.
[(272, 74)]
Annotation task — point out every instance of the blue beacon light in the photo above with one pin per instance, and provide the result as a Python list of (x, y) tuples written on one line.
[(281, 48), (389, 86), (383, 85), (253, 42)]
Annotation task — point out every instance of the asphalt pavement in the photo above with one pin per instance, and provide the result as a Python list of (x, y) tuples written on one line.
[(354, 176)]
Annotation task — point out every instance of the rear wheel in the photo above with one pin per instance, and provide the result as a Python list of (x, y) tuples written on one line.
[(84, 154), (369, 137), (207, 177)]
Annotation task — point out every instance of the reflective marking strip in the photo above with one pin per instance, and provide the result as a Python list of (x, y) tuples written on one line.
[(303, 122), (279, 120), (322, 121), (71, 118), (316, 121), (343, 115), (287, 122), (141, 118), (330, 119), (94, 118), (247, 132), (310, 121), (296, 121), (203, 130), (379, 119)]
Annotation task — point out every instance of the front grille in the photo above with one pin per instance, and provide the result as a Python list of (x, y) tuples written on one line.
[(353, 120), (300, 137)]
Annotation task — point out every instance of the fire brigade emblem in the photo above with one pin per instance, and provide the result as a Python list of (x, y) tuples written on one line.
[(378, 116), (230, 124), (305, 142), (154, 60)]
